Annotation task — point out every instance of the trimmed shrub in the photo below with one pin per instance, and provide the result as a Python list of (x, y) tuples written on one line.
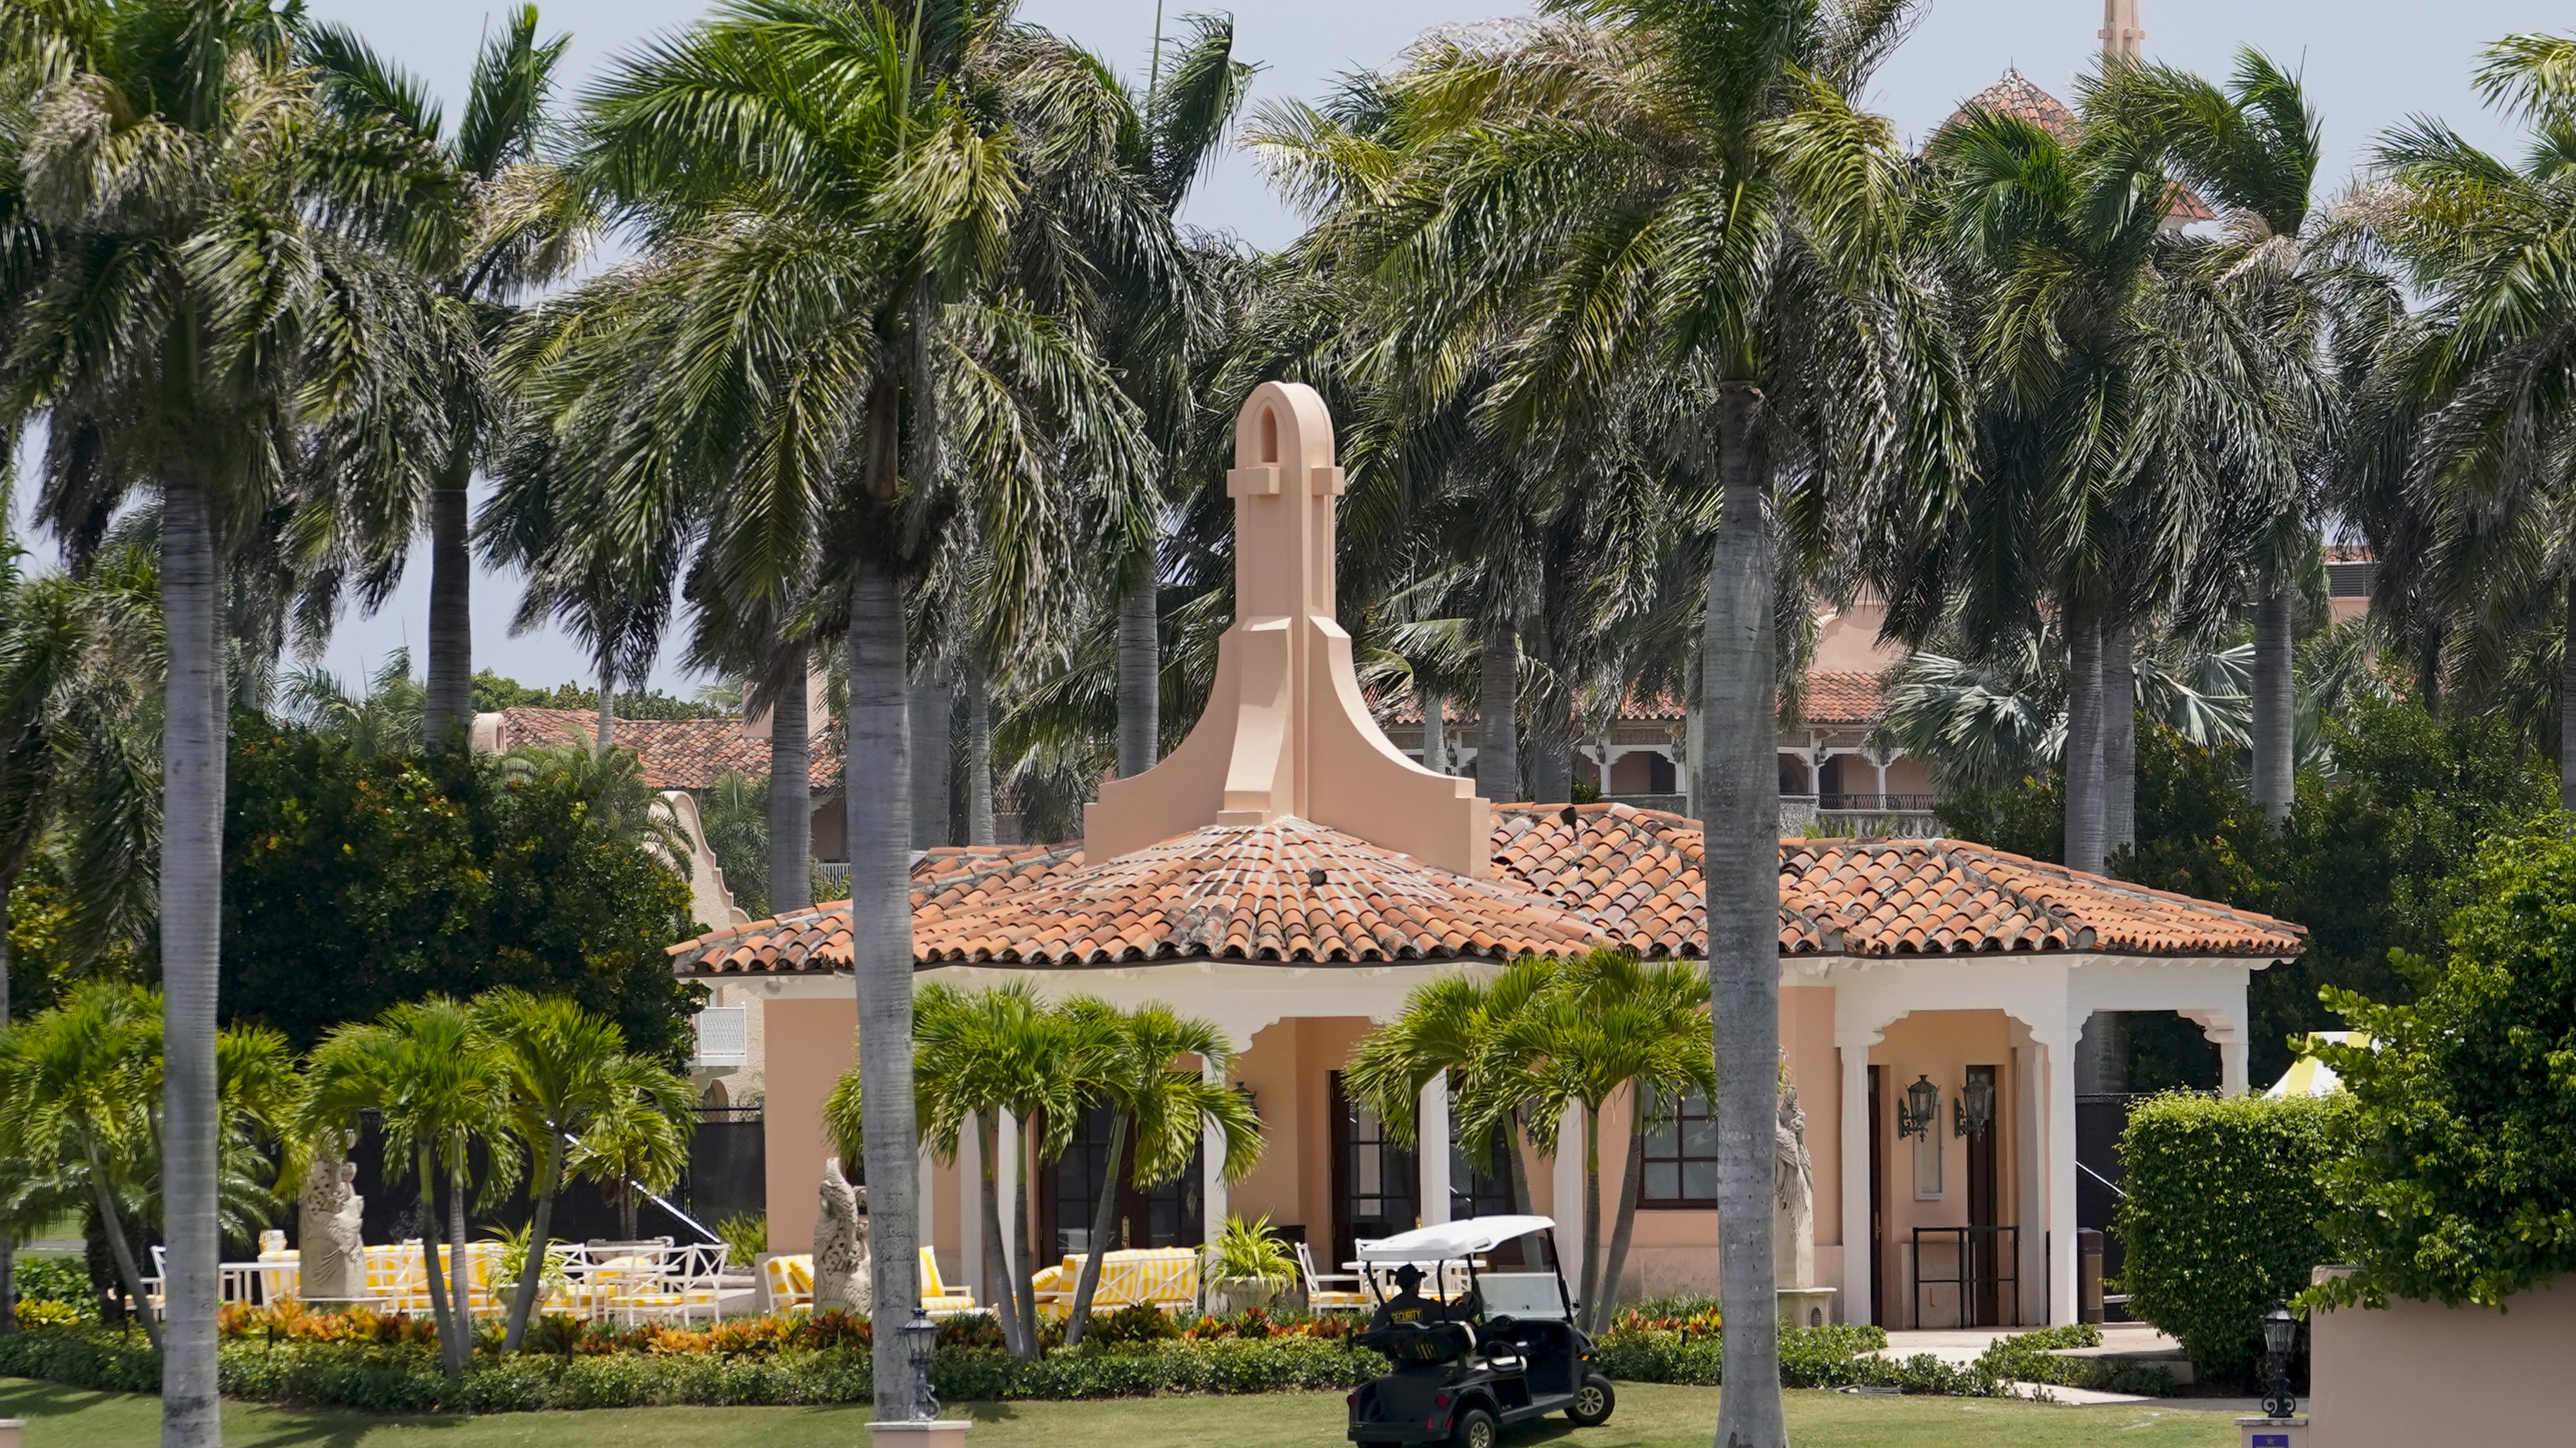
[(2027, 1357), (57, 1279), (2221, 1218), (1689, 1348)]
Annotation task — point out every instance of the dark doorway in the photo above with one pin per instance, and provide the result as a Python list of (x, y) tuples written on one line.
[(1170, 1215), (1877, 1197), (1983, 1193), (1374, 1182)]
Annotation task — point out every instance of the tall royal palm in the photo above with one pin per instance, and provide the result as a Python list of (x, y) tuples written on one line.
[(524, 227), (1686, 186), (206, 268), (2491, 246)]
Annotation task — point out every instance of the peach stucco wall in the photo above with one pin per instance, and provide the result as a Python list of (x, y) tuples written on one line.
[(2418, 1373), (812, 1043)]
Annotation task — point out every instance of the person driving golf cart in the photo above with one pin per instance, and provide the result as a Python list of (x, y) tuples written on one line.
[(1504, 1351)]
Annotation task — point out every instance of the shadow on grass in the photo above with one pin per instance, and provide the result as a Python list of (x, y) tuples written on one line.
[(275, 1427)]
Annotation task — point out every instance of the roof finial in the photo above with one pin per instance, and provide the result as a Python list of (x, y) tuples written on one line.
[(2121, 37)]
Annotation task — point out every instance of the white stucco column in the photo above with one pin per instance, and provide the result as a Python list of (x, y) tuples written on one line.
[(1006, 1184), (970, 1208), (925, 1181), (1433, 1148), (2061, 1176), (1569, 1194), (1858, 1290), (2030, 1113), (2227, 1026), (1212, 1168)]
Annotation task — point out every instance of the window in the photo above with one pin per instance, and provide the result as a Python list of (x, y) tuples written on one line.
[(1681, 1158)]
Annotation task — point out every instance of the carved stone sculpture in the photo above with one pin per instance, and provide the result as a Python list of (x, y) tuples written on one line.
[(1793, 1223), (331, 1261), (841, 1263)]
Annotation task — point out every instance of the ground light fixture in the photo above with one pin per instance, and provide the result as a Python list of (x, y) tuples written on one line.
[(920, 1346), (2280, 1335), (1920, 1111), (1975, 1110)]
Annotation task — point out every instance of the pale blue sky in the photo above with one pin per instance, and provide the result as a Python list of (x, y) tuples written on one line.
[(2369, 63)]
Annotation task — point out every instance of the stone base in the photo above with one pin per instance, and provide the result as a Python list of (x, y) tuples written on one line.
[(2274, 1432), (1806, 1306), (9, 1431), (936, 1433)]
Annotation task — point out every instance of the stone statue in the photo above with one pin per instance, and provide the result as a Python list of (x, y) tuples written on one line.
[(331, 1263), (1793, 1222), (841, 1265)]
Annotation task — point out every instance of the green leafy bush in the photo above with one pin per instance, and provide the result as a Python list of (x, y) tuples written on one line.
[(2456, 1178), (1837, 1355), (2027, 1357), (2221, 1216), (53, 1278)]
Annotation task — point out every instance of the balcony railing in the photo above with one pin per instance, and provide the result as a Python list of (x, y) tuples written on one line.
[(1888, 803)]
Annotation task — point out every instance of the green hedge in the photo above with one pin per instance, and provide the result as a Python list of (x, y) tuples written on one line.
[(1834, 1356), (2221, 1218)]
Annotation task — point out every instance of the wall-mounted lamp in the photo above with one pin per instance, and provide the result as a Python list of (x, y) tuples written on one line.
[(1251, 1098), (1975, 1111), (1920, 1111)]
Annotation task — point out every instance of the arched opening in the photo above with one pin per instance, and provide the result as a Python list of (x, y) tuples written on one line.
[(1270, 435)]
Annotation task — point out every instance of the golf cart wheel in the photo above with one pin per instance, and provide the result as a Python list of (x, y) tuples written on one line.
[(1593, 1402), (1476, 1429)]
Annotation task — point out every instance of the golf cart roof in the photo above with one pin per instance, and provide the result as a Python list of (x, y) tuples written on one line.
[(1451, 1240)]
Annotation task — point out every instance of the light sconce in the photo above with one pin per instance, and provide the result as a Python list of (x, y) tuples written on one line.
[(1920, 1111), (1975, 1110)]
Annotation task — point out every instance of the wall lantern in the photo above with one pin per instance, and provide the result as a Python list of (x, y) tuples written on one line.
[(1920, 1111), (920, 1347), (1251, 1098), (1975, 1110), (2280, 1335)]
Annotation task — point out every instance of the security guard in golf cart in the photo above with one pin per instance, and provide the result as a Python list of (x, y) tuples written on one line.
[(1408, 1304)]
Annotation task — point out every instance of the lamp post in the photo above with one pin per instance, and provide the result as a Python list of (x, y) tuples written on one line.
[(920, 1348), (2280, 1335)]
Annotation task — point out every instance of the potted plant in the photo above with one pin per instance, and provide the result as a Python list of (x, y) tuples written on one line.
[(1247, 1267)]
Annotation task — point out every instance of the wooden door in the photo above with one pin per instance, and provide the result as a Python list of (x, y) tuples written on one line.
[(1985, 1248), (1877, 1196)]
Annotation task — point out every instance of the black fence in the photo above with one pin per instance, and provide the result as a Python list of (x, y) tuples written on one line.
[(2099, 1178), (726, 1176)]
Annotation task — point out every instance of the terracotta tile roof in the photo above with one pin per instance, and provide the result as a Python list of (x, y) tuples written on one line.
[(1636, 874), (2014, 95), (676, 753), (1616, 875)]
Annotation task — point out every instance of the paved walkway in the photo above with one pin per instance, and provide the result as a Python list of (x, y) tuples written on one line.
[(1962, 1346)]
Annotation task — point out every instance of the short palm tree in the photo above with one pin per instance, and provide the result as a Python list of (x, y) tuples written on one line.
[(218, 272), (1124, 1060), (1443, 1030), (1604, 1025), (80, 1082), (440, 1088), (637, 1143)]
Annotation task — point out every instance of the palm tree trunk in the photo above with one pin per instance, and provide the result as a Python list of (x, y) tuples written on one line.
[(1435, 731), (8, 1241), (930, 702), (604, 738), (1695, 745), (1103, 1212), (450, 699), (979, 756), (2084, 739), (523, 1302), (1591, 1293), (2119, 740), (1498, 755), (1140, 673), (880, 839), (791, 796), (2567, 710), (439, 1313), (113, 1228), (1625, 1229), (1552, 772), (460, 1260), (2275, 727), (1742, 842), (192, 865), (997, 1252), (1024, 1294)]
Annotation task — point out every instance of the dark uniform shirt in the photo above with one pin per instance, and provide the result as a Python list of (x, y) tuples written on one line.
[(1407, 1305)]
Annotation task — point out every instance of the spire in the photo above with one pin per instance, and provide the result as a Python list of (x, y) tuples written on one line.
[(2121, 37), (1286, 731)]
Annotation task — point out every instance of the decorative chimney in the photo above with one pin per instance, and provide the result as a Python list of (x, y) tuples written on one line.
[(2121, 36), (1286, 731)]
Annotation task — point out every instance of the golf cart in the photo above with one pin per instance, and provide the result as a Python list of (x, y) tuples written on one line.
[(1505, 1350)]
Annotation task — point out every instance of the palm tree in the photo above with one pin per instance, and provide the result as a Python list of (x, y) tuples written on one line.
[(1442, 1031), (384, 721), (1124, 1061), (569, 1073), (525, 228), (77, 1116), (638, 1140), (2253, 150), (221, 265), (440, 1087), (2485, 370), (1602, 1025), (1655, 183)]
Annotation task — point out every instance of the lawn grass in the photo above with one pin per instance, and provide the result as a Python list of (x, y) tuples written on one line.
[(1650, 1416)]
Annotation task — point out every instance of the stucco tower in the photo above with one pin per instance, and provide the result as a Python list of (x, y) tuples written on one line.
[(2121, 36)]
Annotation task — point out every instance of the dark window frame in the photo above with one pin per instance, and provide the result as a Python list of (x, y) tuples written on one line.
[(1667, 1147)]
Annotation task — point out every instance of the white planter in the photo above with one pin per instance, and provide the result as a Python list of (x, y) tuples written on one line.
[(1230, 1295)]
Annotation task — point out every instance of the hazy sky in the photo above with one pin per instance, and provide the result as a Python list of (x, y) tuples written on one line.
[(2369, 63)]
